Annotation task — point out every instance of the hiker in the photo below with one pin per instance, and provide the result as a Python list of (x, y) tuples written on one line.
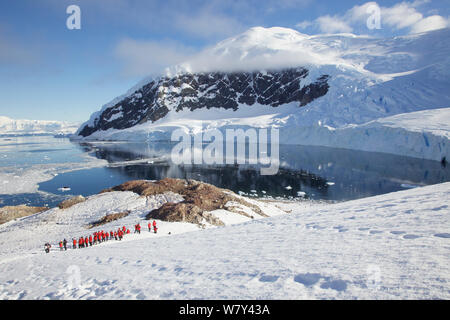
[(90, 240), (47, 247), (111, 234), (154, 224), (95, 237), (103, 236), (74, 241), (124, 229), (86, 241), (137, 228), (65, 244), (81, 243), (155, 228), (115, 235), (128, 231), (60, 245), (149, 227)]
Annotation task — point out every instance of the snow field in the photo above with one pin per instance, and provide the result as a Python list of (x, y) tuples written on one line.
[(393, 246)]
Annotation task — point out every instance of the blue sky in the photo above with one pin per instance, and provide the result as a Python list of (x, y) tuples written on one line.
[(48, 72)]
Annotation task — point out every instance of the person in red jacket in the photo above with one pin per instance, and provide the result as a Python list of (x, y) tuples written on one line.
[(128, 231), (124, 229), (154, 224), (74, 242), (86, 242), (149, 226), (155, 228), (111, 234), (80, 243), (90, 240), (60, 245)]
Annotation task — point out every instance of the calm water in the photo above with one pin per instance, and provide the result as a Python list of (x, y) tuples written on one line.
[(316, 172)]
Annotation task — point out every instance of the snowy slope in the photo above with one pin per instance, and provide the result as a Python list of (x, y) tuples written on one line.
[(25, 127), (393, 246), (368, 79)]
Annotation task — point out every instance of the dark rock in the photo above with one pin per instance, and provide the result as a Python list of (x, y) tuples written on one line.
[(209, 90)]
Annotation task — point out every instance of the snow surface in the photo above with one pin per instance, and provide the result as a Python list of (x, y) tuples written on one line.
[(370, 79), (393, 246)]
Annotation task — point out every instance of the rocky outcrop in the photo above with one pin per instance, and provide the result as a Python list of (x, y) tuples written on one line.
[(71, 202), (184, 212), (199, 199), (191, 91), (108, 218), (9, 213)]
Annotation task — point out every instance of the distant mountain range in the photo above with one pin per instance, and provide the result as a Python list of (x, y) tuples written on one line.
[(10, 126)]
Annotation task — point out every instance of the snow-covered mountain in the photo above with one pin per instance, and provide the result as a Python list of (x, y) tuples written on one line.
[(280, 77), (29, 127)]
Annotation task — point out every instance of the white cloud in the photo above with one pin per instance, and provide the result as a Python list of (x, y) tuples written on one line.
[(304, 24), (207, 24), (401, 16), (328, 24), (143, 58), (430, 23)]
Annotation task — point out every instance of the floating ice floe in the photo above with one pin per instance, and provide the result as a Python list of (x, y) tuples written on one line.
[(63, 189)]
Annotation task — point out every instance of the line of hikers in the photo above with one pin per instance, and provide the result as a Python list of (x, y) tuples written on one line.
[(99, 237)]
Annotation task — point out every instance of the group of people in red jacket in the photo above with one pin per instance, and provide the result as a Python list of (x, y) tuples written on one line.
[(101, 236)]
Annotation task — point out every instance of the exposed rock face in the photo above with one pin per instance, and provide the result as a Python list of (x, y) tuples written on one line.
[(183, 212), (199, 198), (109, 218), (209, 90), (9, 213), (71, 202)]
